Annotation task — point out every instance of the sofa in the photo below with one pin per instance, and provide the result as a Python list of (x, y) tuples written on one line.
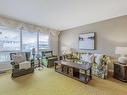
[(48, 58), (99, 62), (21, 64)]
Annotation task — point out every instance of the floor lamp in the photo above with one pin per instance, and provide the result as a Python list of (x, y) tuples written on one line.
[(40, 66)]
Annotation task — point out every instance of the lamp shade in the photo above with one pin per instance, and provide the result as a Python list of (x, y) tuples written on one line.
[(121, 50)]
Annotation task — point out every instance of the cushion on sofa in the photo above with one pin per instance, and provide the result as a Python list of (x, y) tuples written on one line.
[(87, 58)]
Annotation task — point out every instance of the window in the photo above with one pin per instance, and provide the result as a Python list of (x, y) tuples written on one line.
[(9, 41), (29, 40), (13, 40), (43, 41)]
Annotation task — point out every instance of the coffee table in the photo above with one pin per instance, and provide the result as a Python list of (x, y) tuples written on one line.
[(81, 72)]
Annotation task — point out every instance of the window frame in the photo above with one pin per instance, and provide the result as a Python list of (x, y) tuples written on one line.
[(21, 41)]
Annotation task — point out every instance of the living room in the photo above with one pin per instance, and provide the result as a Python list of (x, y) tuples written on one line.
[(63, 47)]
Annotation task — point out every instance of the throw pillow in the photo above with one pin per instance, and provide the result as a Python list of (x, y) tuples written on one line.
[(87, 58), (98, 58), (18, 59)]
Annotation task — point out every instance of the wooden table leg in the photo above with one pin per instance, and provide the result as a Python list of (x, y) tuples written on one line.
[(90, 73)]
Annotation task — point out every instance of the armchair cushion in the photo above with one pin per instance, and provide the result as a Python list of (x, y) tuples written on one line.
[(18, 59), (25, 65)]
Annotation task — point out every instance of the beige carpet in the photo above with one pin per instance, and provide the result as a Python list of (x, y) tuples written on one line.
[(49, 82)]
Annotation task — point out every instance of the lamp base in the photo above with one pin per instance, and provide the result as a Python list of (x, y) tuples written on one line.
[(122, 60)]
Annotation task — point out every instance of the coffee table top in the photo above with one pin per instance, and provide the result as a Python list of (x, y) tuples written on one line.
[(75, 65)]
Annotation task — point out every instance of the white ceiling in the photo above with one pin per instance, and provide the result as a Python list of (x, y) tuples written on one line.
[(62, 14)]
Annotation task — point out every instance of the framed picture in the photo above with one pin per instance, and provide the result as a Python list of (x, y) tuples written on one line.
[(87, 41)]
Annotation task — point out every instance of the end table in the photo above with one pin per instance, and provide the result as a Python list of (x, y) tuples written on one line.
[(120, 72)]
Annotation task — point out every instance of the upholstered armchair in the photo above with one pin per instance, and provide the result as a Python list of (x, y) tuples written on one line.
[(21, 64), (48, 58)]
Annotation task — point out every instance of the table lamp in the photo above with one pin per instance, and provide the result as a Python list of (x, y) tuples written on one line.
[(122, 51)]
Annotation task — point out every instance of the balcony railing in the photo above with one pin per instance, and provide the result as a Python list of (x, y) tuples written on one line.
[(4, 56)]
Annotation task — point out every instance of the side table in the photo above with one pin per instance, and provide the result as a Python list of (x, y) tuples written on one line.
[(120, 72)]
